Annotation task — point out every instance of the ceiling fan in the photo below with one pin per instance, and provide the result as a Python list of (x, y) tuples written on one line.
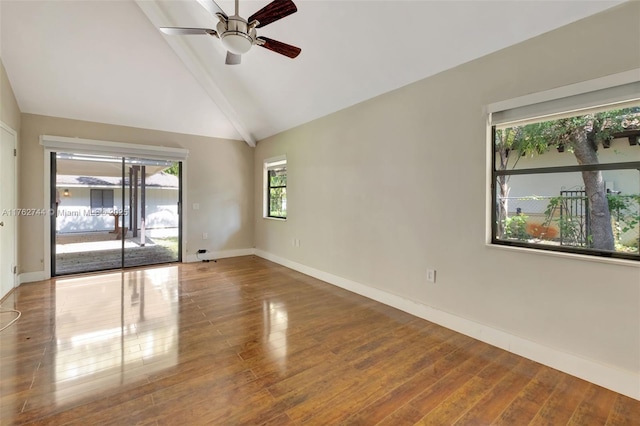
[(238, 34)]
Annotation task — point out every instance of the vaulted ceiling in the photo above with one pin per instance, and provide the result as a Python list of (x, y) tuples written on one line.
[(106, 61)]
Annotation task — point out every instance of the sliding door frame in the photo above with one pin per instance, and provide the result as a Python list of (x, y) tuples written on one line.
[(56, 144)]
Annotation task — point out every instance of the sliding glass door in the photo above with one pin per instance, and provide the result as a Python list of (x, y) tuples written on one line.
[(113, 212), (152, 200)]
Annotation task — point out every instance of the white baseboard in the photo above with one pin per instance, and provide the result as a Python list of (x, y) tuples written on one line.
[(29, 277), (616, 379), (219, 255)]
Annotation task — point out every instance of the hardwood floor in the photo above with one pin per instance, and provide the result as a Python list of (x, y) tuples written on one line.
[(245, 341)]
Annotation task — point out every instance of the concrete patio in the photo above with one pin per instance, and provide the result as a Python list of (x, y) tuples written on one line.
[(96, 251)]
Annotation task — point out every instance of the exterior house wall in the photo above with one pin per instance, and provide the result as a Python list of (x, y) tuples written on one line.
[(619, 151), (74, 211)]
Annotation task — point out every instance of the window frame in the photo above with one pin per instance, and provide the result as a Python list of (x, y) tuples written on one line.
[(567, 100), (102, 207), (634, 165), (275, 163)]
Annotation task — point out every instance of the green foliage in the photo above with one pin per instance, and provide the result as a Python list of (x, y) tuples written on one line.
[(173, 170), (600, 127), (537, 138), (571, 227), (170, 243), (625, 214), (277, 177), (519, 141), (278, 202), (515, 227)]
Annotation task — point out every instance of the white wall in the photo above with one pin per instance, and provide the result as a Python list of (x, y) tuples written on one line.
[(382, 190)]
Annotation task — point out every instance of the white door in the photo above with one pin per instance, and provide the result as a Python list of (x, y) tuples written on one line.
[(7, 209)]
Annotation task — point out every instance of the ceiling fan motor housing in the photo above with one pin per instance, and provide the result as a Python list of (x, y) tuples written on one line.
[(236, 34)]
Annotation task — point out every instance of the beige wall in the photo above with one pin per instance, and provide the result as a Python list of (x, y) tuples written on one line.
[(10, 116), (382, 190), (219, 178), (9, 110)]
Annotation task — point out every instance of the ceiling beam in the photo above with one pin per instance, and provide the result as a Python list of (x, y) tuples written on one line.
[(188, 56)]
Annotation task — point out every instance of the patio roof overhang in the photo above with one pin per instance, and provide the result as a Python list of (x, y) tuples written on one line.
[(104, 166)]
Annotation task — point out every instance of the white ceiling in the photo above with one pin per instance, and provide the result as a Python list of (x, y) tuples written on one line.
[(105, 61)]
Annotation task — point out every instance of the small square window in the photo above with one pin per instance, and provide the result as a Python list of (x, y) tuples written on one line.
[(101, 199)]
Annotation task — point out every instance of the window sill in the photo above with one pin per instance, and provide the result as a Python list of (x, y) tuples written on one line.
[(575, 256), (277, 219)]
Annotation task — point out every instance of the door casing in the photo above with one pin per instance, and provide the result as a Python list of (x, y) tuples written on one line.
[(8, 211)]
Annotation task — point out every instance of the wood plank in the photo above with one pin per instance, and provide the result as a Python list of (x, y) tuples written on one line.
[(595, 407), (528, 401), (470, 393), (495, 401), (625, 412), (562, 402)]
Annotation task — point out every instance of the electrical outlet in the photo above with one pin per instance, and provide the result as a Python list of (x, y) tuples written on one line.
[(431, 275), (205, 235)]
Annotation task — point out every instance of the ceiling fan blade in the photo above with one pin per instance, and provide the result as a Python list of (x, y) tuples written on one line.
[(280, 47), (212, 7), (275, 10), (233, 59), (187, 31)]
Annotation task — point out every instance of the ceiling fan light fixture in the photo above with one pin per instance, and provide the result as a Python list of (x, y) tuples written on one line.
[(236, 35), (236, 42)]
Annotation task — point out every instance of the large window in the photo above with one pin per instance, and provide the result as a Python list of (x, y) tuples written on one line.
[(276, 188), (569, 181)]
